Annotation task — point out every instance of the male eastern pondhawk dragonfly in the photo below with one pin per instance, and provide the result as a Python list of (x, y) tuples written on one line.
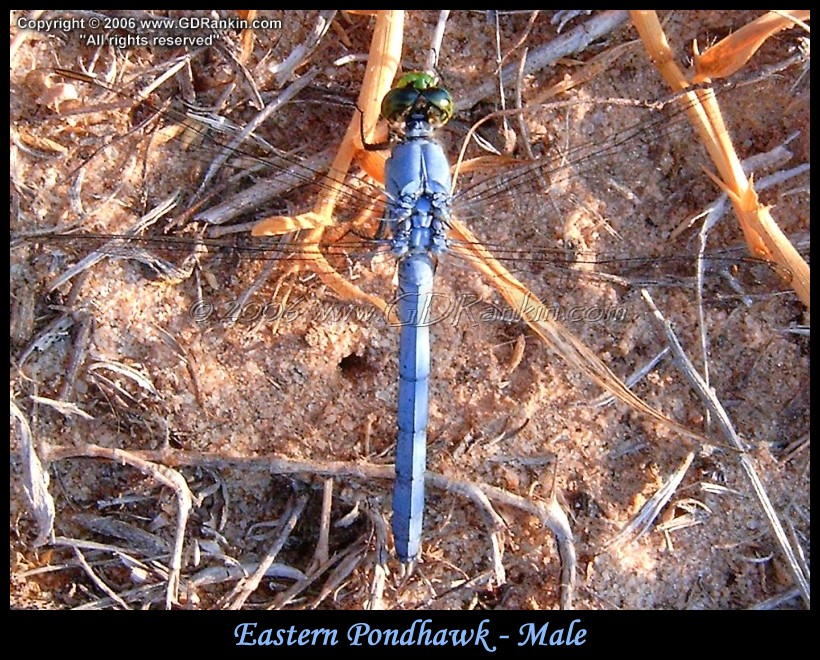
[(496, 191)]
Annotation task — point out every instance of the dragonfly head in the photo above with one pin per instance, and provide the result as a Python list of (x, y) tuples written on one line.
[(417, 99)]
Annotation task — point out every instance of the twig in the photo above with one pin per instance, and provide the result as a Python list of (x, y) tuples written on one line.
[(287, 596), (376, 601), (63, 541), (249, 200), (633, 379), (435, 47), (717, 207), (492, 520), (553, 517), (321, 553), (258, 282), (342, 571), (147, 594), (98, 582), (229, 149), (499, 72), (218, 574), (165, 475), (724, 423), (763, 236), (574, 41), (62, 407), (36, 480), (247, 586), (47, 336), (138, 539), (638, 526), (110, 248), (77, 354), (715, 213), (519, 104), (523, 37), (777, 601), (550, 512), (184, 354), (299, 54)]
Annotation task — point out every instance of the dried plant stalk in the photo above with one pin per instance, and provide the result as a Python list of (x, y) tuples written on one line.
[(763, 236)]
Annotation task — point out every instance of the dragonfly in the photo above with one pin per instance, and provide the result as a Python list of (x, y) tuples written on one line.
[(417, 183), (477, 200)]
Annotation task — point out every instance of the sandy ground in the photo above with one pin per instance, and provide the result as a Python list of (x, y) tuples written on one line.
[(222, 403)]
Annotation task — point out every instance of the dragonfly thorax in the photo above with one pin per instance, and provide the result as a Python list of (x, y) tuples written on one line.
[(417, 182), (417, 126)]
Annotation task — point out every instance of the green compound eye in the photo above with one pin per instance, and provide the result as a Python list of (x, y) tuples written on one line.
[(397, 102), (440, 99), (418, 90)]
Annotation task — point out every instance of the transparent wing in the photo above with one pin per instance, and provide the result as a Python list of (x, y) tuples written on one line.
[(519, 192)]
